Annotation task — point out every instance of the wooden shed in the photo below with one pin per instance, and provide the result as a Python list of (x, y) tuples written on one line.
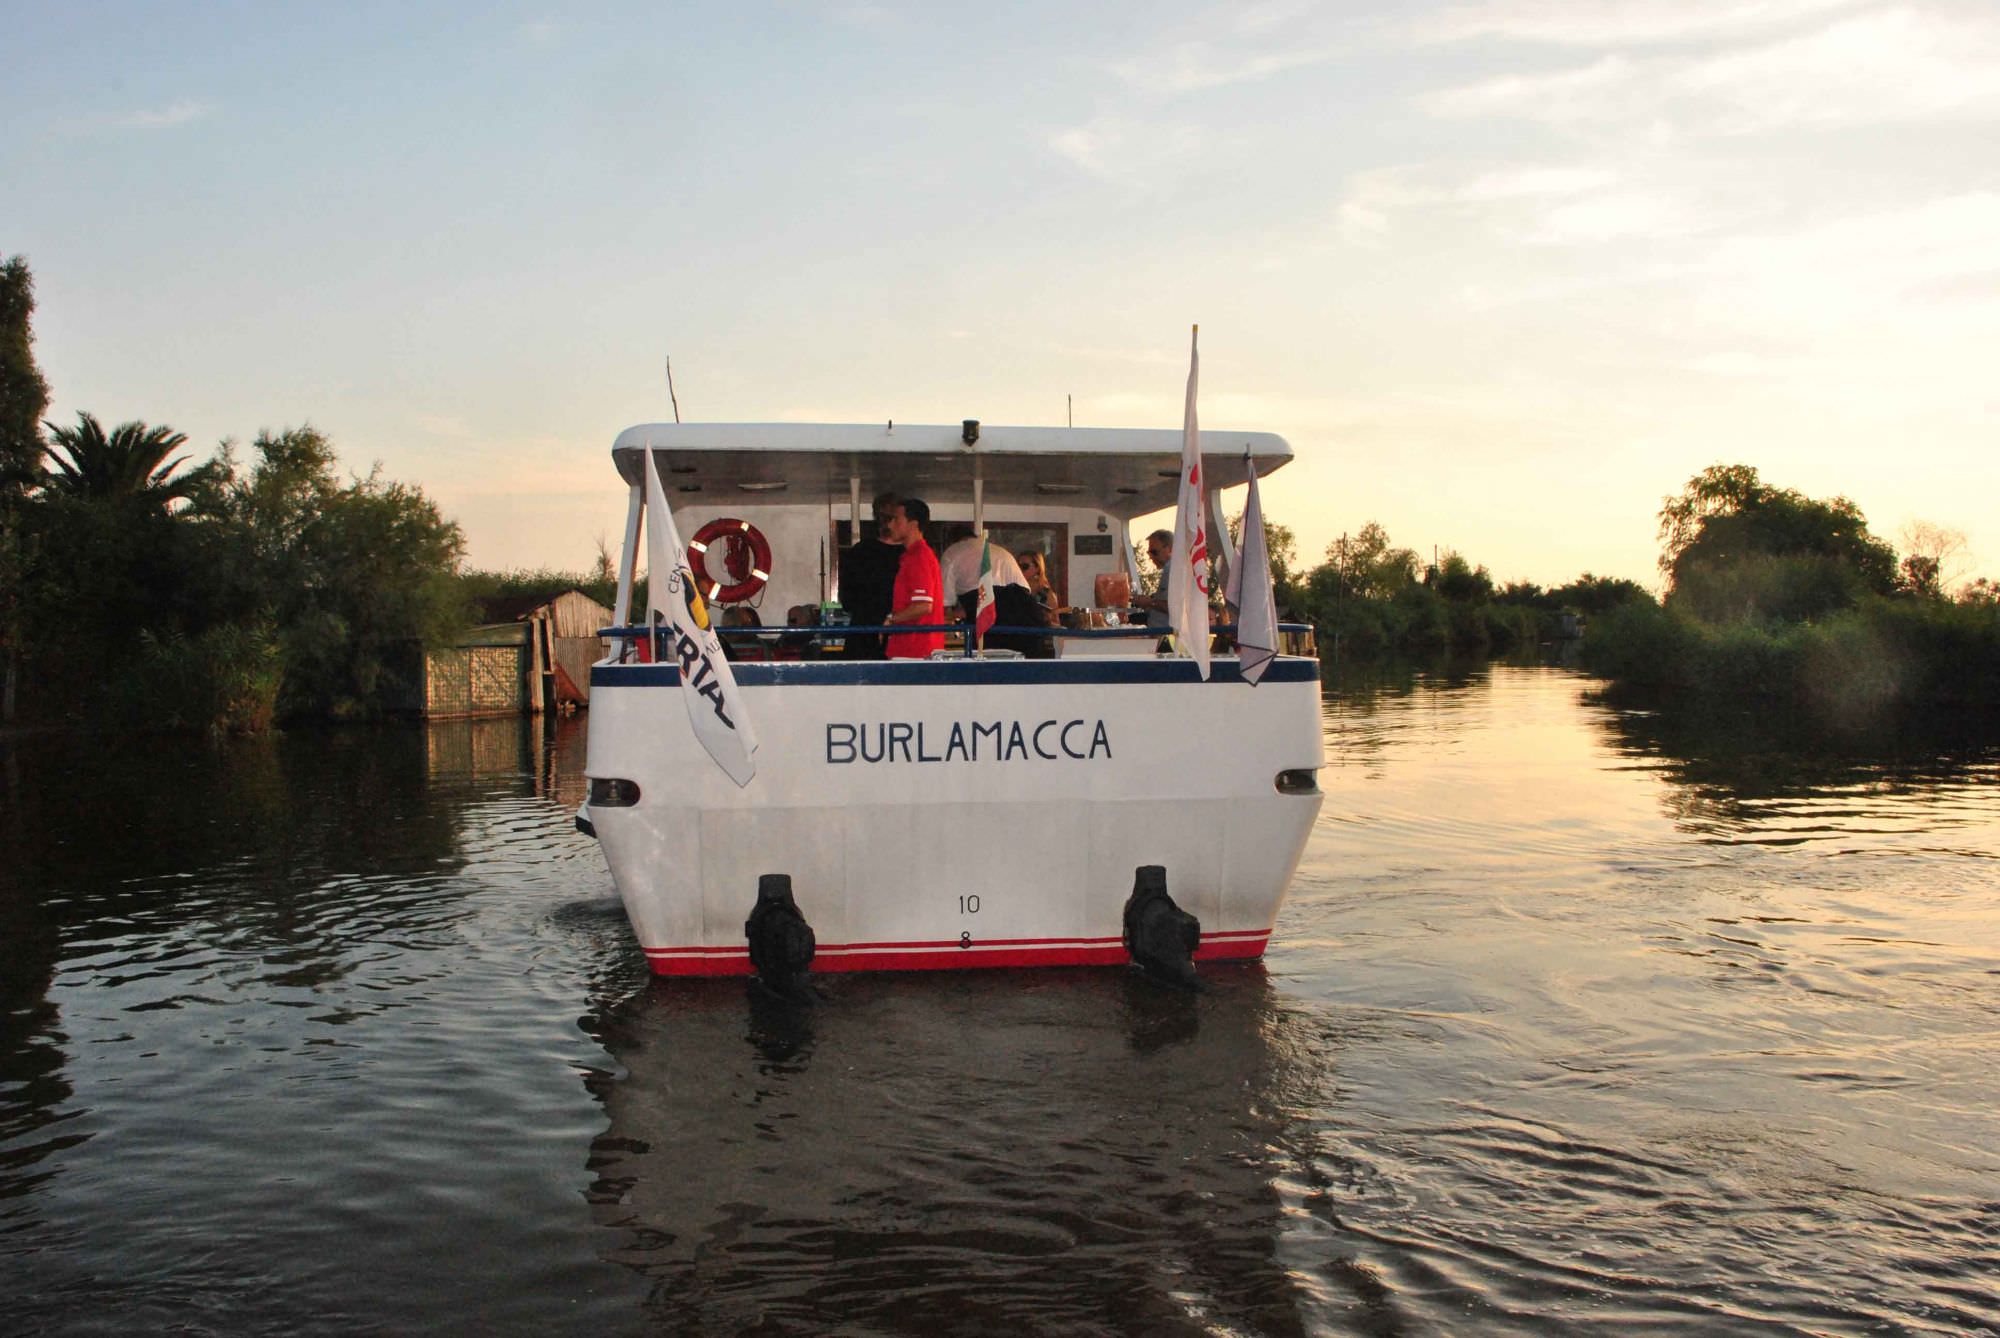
[(531, 653), (563, 638)]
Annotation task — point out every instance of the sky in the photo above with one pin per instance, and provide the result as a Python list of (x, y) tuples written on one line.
[(1504, 274)]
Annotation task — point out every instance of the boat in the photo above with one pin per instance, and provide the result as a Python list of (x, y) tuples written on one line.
[(970, 810)]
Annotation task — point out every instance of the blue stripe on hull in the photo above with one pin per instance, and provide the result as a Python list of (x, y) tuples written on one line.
[(1291, 669)]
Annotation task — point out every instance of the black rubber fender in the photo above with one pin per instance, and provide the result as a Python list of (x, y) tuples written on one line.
[(1160, 936), (782, 944)]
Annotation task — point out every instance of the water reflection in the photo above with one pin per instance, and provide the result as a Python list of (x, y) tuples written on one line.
[(33, 1086), (1761, 775), (548, 754), (234, 975), (1049, 1151), (1576, 1018), (1681, 1026)]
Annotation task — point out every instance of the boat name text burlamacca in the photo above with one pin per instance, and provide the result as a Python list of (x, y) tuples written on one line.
[(966, 741)]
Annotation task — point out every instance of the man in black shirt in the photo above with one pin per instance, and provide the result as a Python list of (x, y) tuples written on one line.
[(867, 580)]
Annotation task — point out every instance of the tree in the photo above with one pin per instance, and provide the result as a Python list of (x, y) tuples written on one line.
[(356, 575), (1735, 548), (1366, 567), (1599, 594), (1934, 559), (24, 396), (1920, 575), (108, 571), (1459, 581), (1282, 547), (1719, 490), (84, 462)]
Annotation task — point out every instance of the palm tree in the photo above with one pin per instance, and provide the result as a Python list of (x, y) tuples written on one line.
[(124, 464)]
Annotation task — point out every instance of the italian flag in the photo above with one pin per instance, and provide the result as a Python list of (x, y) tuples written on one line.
[(982, 620)]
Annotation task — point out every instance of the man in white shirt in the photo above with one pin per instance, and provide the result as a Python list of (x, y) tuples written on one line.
[(1013, 603), (961, 568)]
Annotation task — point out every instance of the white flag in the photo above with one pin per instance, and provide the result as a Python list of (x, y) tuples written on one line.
[(1250, 590), (1187, 579), (708, 687)]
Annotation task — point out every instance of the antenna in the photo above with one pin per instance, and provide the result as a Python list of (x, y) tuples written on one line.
[(670, 390), (1069, 406)]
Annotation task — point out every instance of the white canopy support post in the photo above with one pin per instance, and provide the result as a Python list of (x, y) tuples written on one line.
[(622, 615), (978, 497)]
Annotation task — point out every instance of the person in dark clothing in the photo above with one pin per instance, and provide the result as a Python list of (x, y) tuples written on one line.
[(867, 579), (1014, 606)]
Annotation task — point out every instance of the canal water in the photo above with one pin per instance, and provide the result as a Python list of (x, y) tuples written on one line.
[(1580, 1018)]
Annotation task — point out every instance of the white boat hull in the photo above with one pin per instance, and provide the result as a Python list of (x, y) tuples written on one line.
[(953, 814)]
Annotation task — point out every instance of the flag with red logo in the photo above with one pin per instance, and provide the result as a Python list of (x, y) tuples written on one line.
[(982, 619), (1187, 577)]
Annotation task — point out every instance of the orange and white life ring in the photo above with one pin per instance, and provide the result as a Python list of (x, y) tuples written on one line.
[(744, 563)]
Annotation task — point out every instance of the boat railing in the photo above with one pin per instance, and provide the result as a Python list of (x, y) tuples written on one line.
[(1294, 638)]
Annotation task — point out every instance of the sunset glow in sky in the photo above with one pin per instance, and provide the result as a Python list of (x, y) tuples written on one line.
[(1504, 274)]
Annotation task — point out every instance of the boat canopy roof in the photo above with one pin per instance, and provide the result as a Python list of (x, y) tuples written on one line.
[(1123, 471)]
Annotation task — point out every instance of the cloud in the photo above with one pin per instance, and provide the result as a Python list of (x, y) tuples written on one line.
[(1867, 267), (1925, 270), (1196, 66), (869, 18), (540, 32), (1140, 357), (1085, 146), (1546, 204), (1736, 364), (1269, 14), (1889, 66), (1896, 65), (1534, 182), (1616, 22), (1128, 148), (1231, 45), (1223, 47), (538, 466), (1612, 216), (173, 114), (443, 425), (1586, 93)]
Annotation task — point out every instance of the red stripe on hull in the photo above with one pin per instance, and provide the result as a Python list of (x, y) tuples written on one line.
[(1234, 945)]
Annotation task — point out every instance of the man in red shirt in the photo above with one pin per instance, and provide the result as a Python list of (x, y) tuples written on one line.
[(917, 596)]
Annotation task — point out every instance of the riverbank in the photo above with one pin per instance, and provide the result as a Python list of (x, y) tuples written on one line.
[(1846, 668)]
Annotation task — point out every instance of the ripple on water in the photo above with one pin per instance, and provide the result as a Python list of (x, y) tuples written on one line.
[(1575, 1020)]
